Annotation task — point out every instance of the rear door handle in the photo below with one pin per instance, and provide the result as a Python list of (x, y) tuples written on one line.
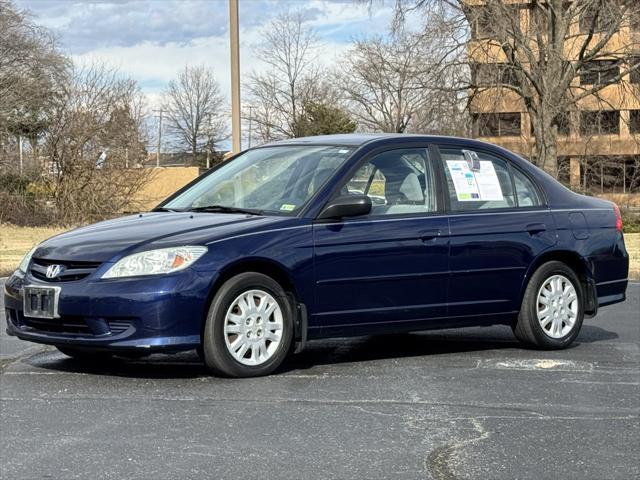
[(430, 234), (534, 228)]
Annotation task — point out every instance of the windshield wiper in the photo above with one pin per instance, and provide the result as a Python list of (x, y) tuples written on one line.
[(164, 209), (224, 209)]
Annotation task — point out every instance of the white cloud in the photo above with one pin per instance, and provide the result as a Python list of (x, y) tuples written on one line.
[(151, 40)]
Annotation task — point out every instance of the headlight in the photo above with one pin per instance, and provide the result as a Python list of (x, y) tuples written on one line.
[(155, 262), (24, 264)]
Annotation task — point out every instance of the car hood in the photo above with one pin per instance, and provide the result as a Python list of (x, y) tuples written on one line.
[(112, 238)]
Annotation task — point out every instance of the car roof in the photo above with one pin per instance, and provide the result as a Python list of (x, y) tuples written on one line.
[(359, 139)]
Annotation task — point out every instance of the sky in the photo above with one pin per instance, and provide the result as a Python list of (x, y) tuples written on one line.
[(152, 40)]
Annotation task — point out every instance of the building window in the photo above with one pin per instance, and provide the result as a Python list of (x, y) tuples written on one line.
[(600, 123), (497, 124), (563, 120), (493, 74), (601, 17), (634, 121), (634, 66), (539, 19), (635, 21), (600, 72), (483, 20)]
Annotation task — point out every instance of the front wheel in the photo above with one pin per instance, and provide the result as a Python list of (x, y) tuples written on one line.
[(552, 309), (249, 328)]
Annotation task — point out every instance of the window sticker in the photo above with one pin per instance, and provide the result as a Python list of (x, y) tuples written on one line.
[(287, 207), (463, 181), (488, 182), (474, 186)]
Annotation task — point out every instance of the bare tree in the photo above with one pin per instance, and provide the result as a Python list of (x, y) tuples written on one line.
[(293, 79), (32, 73), (195, 109), (391, 85), (557, 56), (93, 136)]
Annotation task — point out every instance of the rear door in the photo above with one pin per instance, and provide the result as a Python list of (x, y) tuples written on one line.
[(388, 268), (498, 223)]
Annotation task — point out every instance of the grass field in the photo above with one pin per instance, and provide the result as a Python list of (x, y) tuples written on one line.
[(16, 241)]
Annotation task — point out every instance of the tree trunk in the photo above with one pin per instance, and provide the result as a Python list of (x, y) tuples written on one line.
[(547, 149)]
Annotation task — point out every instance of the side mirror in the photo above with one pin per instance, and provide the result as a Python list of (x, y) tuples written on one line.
[(346, 206)]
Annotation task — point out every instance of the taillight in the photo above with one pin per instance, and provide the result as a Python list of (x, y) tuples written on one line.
[(618, 218)]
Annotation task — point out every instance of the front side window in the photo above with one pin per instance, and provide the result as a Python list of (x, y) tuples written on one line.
[(277, 180), (397, 182), (476, 180)]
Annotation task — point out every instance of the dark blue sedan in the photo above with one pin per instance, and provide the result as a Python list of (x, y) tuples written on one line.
[(324, 237)]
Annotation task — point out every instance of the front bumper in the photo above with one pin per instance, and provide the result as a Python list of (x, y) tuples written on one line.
[(163, 313)]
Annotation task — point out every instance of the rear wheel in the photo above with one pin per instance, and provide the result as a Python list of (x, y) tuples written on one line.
[(249, 327), (552, 310)]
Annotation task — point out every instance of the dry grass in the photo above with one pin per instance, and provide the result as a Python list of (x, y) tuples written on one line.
[(16, 241), (632, 242)]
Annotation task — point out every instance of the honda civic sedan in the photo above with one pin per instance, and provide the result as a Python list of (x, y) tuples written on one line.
[(322, 237)]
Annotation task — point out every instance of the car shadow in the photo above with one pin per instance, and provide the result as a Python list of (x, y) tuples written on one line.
[(322, 352), (591, 334), (401, 345), (183, 365)]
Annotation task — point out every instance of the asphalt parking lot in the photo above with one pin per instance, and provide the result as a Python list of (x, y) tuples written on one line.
[(454, 404)]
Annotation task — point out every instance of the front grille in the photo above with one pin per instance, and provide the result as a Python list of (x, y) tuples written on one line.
[(66, 325), (117, 327), (76, 325), (71, 270)]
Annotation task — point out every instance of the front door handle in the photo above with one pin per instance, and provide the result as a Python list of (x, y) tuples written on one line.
[(428, 235), (534, 228)]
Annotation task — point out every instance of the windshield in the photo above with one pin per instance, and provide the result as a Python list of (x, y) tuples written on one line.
[(271, 179)]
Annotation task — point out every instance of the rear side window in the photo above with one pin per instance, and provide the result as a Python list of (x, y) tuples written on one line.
[(525, 190), (477, 181)]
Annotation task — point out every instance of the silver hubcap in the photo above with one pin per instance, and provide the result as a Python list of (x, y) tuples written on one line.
[(253, 327), (557, 306)]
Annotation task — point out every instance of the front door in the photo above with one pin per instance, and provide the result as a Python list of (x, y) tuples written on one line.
[(390, 267)]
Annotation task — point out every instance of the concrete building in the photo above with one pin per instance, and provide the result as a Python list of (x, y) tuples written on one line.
[(599, 145)]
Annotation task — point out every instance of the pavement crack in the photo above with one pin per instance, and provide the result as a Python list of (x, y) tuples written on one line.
[(29, 353), (439, 462)]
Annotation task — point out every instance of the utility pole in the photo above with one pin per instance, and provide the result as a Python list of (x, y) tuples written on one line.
[(235, 76), (159, 137)]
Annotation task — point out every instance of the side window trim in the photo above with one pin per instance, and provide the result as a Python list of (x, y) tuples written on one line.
[(442, 195)]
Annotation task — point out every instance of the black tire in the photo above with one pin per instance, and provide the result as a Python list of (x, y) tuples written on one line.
[(217, 357), (85, 355), (528, 329)]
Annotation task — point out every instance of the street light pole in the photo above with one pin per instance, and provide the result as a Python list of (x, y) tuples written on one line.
[(159, 137), (235, 76)]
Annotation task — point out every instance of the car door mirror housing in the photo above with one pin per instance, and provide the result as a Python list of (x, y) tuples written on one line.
[(346, 206)]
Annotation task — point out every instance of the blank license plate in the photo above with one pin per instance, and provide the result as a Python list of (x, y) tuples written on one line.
[(41, 302)]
